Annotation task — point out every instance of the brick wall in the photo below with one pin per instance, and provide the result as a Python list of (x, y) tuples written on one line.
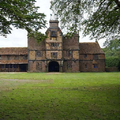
[(33, 45), (71, 66), (71, 43)]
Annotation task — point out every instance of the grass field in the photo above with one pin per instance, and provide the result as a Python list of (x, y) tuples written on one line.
[(63, 96)]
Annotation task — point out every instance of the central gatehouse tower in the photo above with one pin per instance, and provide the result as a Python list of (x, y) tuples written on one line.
[(54, 47), (54, 54)]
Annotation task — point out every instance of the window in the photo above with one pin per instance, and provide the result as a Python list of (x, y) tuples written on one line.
[(7, 66), (54, 55), (85, 66), (16, 57), (10, 65), (2, 66), (39, 53), (25, 57), (95, 57), (54, 44), (8, 57), (95, 66), (15, 66), (85, 56), (68, 53), (39, 66), (53, 34), (69, 65)]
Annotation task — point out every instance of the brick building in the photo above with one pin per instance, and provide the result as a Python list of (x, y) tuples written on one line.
[(13, 59), (55, 54)]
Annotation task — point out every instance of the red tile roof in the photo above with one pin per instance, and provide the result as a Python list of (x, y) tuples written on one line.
[(14, 51), (90, 48), (13, 61)]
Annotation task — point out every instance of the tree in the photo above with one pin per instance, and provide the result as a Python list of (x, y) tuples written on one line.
[(112, 53), (20, 14), (112, 48), (97, 18)]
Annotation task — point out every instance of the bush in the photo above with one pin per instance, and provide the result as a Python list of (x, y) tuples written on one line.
[(112, 62)]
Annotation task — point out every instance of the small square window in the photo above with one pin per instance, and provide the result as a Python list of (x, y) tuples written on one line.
[(95, 66), (8, 57), (85, 56), (39, 53), (39, 66), (69, 65), (15, 66), (68, 53), (95, 57), (7, 65), (16, 57), (54, 55), (53, 34), (25, 57), (10, 65), (2, 66)]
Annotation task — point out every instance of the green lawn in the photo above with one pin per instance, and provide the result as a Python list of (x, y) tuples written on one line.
[(64, 96)]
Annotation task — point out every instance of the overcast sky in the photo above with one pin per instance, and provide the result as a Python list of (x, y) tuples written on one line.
[(18, 38)]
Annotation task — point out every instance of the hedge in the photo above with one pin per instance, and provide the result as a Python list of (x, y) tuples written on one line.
[(112, 62)]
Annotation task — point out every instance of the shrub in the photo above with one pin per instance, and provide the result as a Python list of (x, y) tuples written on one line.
[(112, 62)]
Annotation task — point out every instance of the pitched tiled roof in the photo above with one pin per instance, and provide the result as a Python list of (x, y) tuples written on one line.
[(90, 48), (14, 51), (13, 61)]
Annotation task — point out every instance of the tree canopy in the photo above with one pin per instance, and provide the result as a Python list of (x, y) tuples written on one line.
[(112, 53), (112, 48), (97, 18), (20, 14)]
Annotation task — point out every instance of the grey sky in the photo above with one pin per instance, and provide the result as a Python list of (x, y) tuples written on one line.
[(18, 38)]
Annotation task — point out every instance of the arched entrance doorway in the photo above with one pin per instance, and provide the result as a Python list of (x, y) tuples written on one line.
[(53, 67)]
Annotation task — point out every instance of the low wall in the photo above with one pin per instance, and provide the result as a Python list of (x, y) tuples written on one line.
[(111, 69)]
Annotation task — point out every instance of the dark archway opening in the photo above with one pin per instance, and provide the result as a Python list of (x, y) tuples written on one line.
[(53, 67)]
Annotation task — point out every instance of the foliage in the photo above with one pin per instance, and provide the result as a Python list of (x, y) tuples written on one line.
[(112, 48), (37, 36), (97, 18), (112, 53), (112, 61), (68, 96), (20, 14)]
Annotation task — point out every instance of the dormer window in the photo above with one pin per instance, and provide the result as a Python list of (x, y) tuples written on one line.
[(53, 34)]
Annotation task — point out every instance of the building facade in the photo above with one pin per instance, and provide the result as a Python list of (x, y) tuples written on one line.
[(62, 54), (54, 54), (13, 59)]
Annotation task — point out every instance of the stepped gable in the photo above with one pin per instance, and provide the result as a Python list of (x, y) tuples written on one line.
[(90, 48), (14, 51)]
